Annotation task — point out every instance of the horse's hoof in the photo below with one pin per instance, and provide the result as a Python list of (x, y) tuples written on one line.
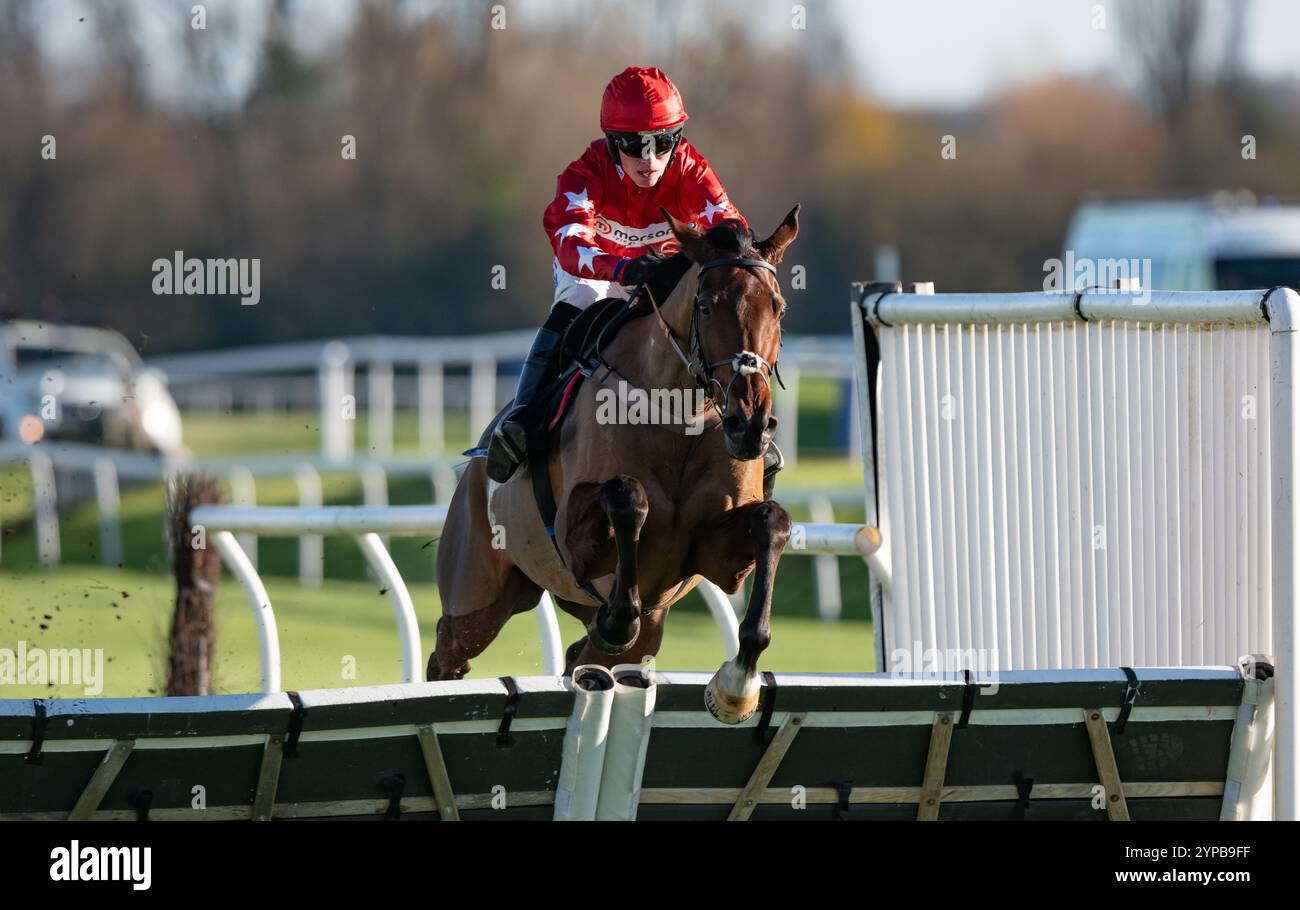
[(732, 696), (597, 641)]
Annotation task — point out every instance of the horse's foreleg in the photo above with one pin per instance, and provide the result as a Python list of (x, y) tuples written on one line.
[(616, 624), (753, 535)]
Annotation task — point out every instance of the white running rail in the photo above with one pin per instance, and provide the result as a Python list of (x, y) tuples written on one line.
[(106, 466), (1092, 479), (366, 523)]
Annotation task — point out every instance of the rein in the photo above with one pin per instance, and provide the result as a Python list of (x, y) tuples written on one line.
[(698, 366)]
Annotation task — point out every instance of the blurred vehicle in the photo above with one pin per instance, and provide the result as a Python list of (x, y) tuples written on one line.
[(77, 384), (1227, 241)]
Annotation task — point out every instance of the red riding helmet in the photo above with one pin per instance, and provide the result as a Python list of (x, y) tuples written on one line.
[(641, 99)]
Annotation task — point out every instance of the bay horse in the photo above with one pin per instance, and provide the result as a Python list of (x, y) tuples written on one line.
[(643, 511)]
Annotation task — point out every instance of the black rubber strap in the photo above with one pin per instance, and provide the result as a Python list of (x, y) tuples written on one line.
[(1078, 306), (544, 496), (39, 721), (967, 699), (883, 288), (1263, 302), (844, 789), (1024, 786), (1260, 669), (504, 739), (295, 724), (393, 787), (769, 701), (1130, 696), (142, 801)]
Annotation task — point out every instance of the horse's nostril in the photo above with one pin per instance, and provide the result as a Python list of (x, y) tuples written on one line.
[(771, 424)]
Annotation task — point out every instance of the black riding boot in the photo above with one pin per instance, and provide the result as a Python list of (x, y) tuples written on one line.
[(509, 445)]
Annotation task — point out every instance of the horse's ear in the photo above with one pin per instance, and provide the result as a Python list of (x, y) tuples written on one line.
[(690, 239), (773, 248)]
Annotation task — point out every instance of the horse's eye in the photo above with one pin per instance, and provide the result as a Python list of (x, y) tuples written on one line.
[(703, 307)]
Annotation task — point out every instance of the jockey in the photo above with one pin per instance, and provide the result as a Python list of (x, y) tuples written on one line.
[(606, 227)]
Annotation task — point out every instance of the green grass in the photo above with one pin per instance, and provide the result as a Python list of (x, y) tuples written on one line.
[(325, 632), (125, 610)]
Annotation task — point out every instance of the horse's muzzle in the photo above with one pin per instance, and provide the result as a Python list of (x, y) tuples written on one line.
[(747, 439)]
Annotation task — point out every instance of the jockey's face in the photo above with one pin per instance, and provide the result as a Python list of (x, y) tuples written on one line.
[(644, 171)]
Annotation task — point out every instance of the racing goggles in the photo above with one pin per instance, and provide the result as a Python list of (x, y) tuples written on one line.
[(638, 145)]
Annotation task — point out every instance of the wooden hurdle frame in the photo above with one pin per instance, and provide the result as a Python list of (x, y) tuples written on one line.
[(1070, 744)]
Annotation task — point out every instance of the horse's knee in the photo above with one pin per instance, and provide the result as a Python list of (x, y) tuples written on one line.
[(770, 526), (624, 499)]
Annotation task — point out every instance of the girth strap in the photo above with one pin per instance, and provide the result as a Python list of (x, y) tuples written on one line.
[(545, 497)]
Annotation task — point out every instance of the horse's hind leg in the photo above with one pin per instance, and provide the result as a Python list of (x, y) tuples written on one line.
[(616, 624), (584, 613), (479, 586), (464, 636)]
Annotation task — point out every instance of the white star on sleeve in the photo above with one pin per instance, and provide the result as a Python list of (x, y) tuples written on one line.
[(586, 258), (574, 230), (578, 202), (710, 210)]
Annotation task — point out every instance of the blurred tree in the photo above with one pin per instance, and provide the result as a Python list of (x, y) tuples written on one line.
[(123, 62), (461, 128), (284, 75), (1171, 42)]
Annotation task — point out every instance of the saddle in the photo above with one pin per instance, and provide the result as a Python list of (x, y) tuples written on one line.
[(581, 353), (596, 326)]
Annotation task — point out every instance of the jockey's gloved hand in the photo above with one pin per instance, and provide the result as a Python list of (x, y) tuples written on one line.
[(633, 272)]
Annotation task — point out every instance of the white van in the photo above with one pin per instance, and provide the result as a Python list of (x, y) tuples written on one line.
[(1224, 242)]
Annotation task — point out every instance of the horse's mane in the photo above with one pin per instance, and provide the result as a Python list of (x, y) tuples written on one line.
[(728, 239)]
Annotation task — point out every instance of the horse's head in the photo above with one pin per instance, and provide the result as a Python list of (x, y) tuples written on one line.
[(735, 333)]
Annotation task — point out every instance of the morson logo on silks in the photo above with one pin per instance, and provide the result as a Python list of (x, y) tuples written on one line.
[(630, 236), (103, 864)]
